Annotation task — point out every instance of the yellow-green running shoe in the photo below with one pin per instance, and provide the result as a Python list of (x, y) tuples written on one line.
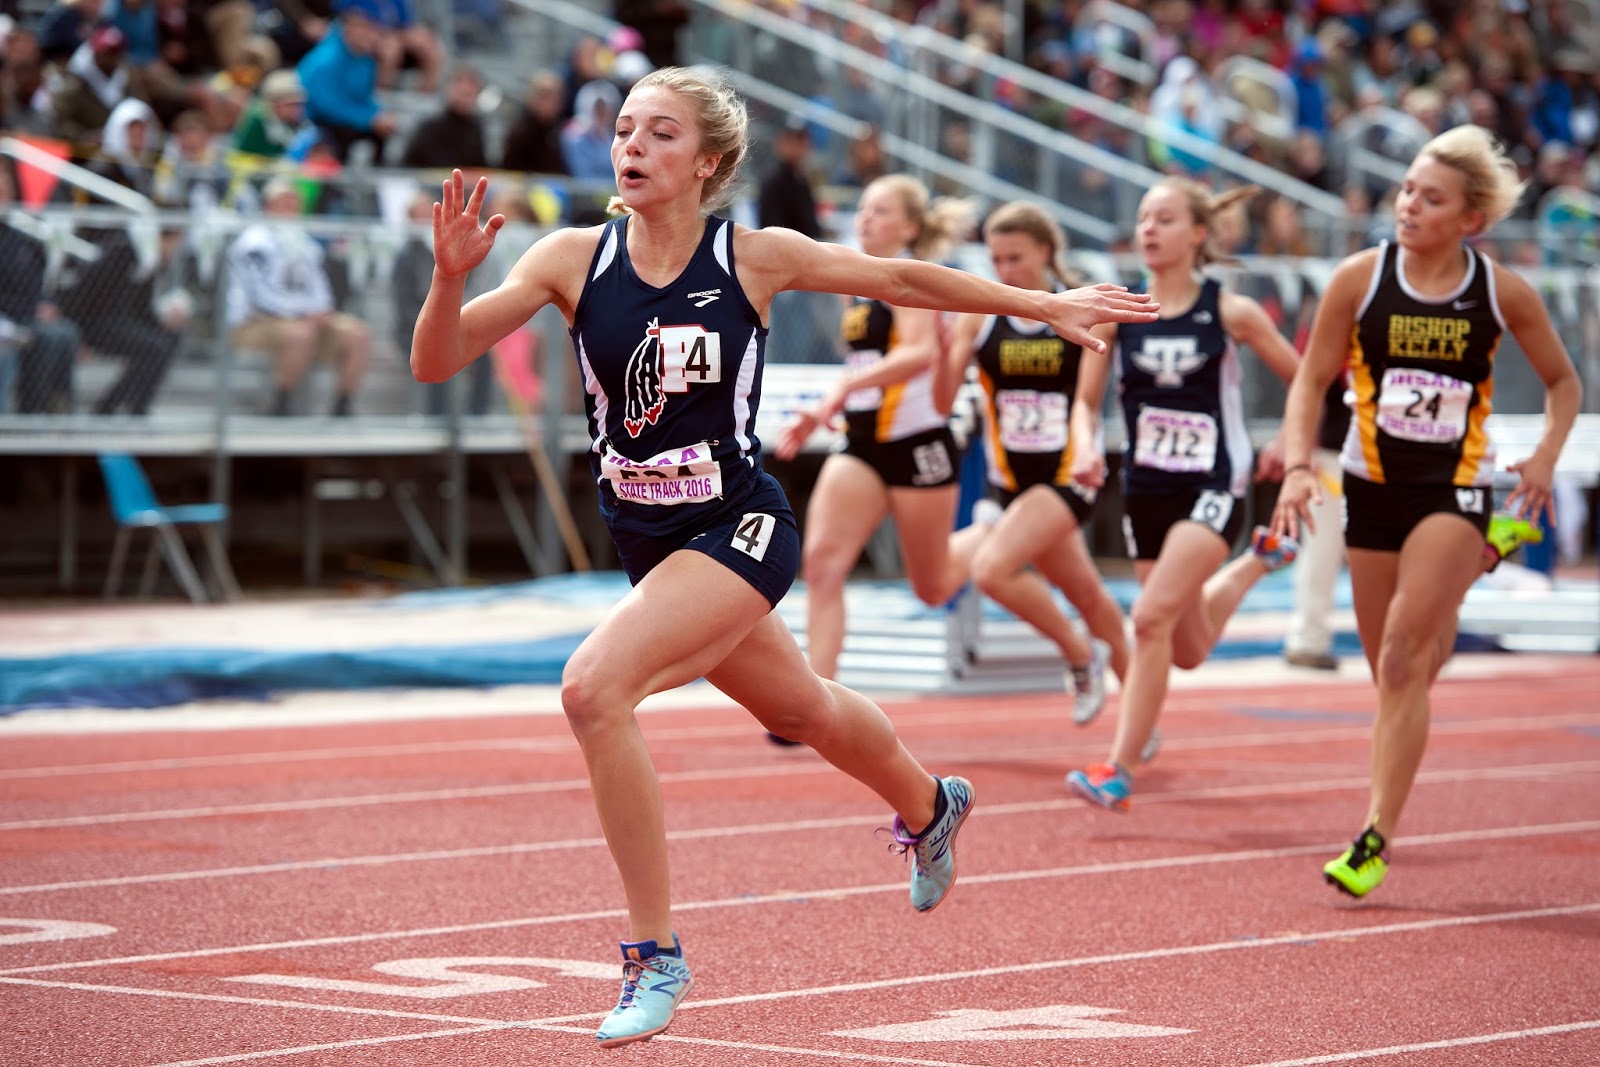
[(1507, 533), (1362, 867)]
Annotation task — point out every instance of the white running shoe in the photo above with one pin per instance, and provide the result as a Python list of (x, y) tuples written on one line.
[(1088, 684)]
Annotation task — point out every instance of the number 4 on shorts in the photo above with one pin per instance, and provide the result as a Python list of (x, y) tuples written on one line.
[(753, 534)]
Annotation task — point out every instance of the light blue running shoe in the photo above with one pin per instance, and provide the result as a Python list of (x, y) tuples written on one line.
[(1104, 784), (933, 856), (653, 984)]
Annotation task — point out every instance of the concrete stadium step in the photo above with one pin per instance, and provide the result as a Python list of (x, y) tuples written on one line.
[(1563, 618)]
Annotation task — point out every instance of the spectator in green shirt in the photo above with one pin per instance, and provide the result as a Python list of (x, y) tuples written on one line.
[(274, 118)]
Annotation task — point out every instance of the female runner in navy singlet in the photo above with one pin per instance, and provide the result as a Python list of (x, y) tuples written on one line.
[(1187, 463), (1415, 324), (667, 306)]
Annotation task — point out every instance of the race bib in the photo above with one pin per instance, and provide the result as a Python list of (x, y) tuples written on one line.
[(1419, 405), (1183, 442), (678, 476), (1031, 421), (870, 398)]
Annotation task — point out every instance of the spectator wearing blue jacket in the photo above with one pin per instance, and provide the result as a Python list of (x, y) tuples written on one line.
[(340, 76), (1311, 95), (586, 139)]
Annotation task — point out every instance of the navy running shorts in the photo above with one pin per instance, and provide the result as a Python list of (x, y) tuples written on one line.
[(757, 538), (1380, 517), (1146, 517)]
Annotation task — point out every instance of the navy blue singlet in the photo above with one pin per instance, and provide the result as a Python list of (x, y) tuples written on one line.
[(1179, 380), (672, 378)]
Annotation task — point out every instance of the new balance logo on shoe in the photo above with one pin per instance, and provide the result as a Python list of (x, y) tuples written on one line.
[(701, 299), (933, 867)]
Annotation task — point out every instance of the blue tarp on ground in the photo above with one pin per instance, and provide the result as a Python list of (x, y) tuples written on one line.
[(156, 675), (152, 677)]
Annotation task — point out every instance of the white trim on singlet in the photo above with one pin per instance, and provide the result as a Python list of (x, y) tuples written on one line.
[(719, 246), (608, 252), (1372, 283), (984, 331), (1494, 292), (602, 405), (1027, 327), (742, 390), (1434, 301), (1235, 432)]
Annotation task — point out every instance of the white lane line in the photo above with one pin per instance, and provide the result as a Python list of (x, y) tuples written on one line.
[(308, 755), (791, 896), (557, 742), (586, 1032), (425, 796), (1174, 952), (741, 729), (1024, 808), (1424, 1046), (1171, 952)]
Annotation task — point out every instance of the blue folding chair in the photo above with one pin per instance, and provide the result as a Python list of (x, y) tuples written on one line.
[(134, 506)]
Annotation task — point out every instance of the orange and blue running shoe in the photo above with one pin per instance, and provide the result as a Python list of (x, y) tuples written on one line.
[(1361, 868), (1275, 551), (1105, 784)]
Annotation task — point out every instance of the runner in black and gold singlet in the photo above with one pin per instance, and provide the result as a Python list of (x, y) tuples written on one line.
[(1420, 377), (898, 457), (1417, 323), (1029, 376)]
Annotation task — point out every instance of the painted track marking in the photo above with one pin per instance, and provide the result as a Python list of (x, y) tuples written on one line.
[(789, 896), (1299, 938), (1444, 1043)]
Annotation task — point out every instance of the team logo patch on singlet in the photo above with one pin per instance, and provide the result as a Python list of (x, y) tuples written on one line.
[(667, 361), (1168, 359), (677, 476)]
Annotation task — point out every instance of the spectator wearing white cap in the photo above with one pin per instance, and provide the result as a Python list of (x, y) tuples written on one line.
[(275, 118)]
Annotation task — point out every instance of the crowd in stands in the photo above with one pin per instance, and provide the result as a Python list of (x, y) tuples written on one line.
[(197, 104), (1294, 84)]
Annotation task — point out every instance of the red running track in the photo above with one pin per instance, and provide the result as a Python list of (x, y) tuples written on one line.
[(436, 892)]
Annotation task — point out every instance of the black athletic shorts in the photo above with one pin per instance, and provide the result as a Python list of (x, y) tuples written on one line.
[(1146, 517), (924, 460), (1079, 501), (1380, 516)]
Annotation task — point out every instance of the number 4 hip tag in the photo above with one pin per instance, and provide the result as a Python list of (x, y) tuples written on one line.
[(754, 534)]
